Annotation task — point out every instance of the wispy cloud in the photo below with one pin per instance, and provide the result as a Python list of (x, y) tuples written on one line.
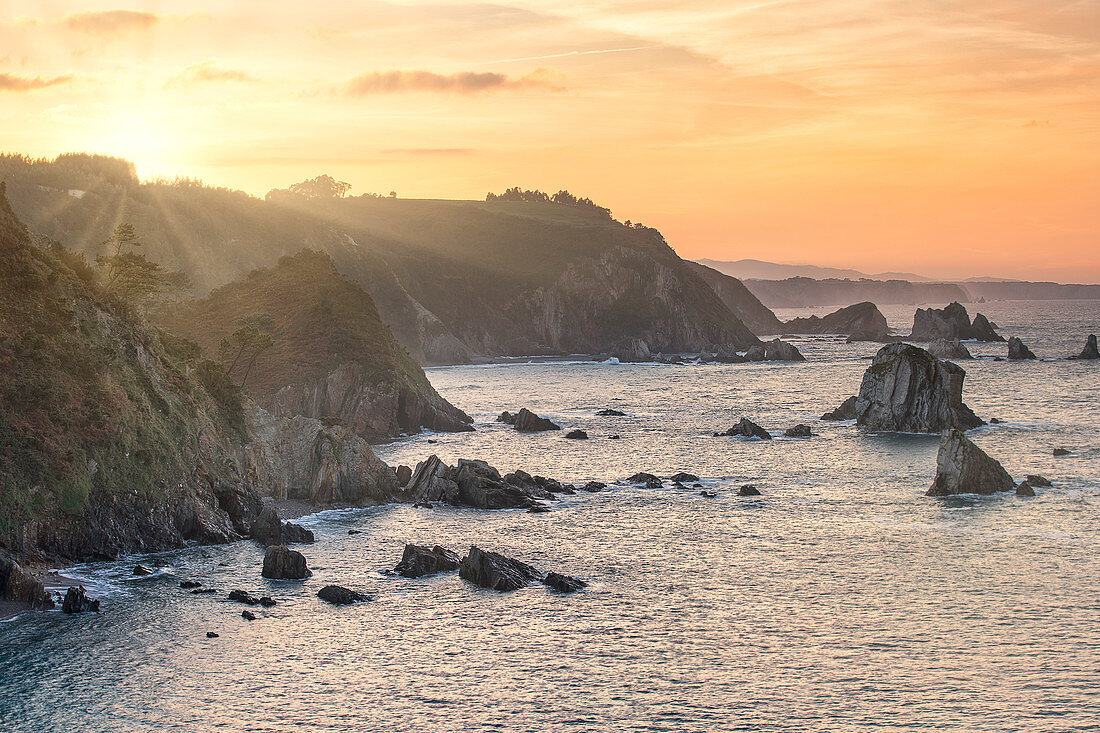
[(428, 152), (207, 72), (12, 83), (110, 22), (465, 82), (567, 54)]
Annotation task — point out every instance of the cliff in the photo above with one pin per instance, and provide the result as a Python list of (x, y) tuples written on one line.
[(331, 355), (862, 320), (740, 300), (800, 292)]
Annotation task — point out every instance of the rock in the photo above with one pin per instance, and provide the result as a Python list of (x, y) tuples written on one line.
[(798, 431), (270, 530), (748, 490), (1017, 349), (495, 571), (529, 422), (777, 350), (631, 350), (340, 596), (243, 597), (143, 570), (563, 583), (538, 508), (211, 635), (248, 615), (1025, 488), (708, 494), (608, 412), (423, 505), (1062, 452), (594, 486), (77, 602), (577, 435), (683, 476), (846, 411), (430, 482), (1090, 351), (648, 479), (418, 561), (994, 421), (404, 474), (267, 601), (944, 349), (728, 355), (747, 429), (507, 418), (613, 437), (1036, 480), (952, 323), (19, 586), (480, 485), (203, 591), (190, 584), (862, 319), (281, 563), (354, 531), (907, 389), (964, 468), (756, 353)]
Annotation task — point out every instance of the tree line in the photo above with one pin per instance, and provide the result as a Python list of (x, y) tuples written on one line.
[(563, 198)]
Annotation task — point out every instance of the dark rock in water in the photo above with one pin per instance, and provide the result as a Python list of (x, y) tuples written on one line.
[(143, 570), (729, 355), (340, 596), (608, 412), (211, 635), (423, 505), (642, 477), (953, 324), (1062, 452), (748, 490), (404, 473), (594, 486), (994, 421), (862, 319), (632, 350), (270, 530), (507, 418), (1036, 480), (418, 561), (907, 389), (267, 601), (708, 494), (19, 586), (1090, 351), (777, 350), (1025, 488), (756, 353), (354, 531), (944, 349), (203, 591), (248, 615), (747, 429), (281, 563), (158, 563), (613, 437), (798, 431), (983, 330), (563, 583), (529, 422), (538, 508), (190, 584), (1017, 349), (480, 485), (495, 571), (683, 476), (964, 468), (846, 411), (577, 435), (243, 597), (77, 602)]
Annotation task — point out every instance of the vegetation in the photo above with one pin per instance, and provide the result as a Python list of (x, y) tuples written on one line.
[(251, 338), (131, 277), (562, 198)]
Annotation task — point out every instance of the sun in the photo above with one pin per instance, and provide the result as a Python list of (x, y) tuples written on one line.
[(150, 141)]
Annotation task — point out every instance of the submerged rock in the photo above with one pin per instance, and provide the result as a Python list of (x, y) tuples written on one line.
[(190, 584), (211, 635), (1090, 351), (944, 349), (244, 597), (529, 422), (270, 530), (1017, 349), (418, 561), (281, 563), (563, 583), (964, 468), (683, 476), (577, 435), (1062, 451), (608, 412), (495, 571), (798, 431), (76, 601), (594, 486), (339, 596), (907, 389), (747, 429), (248, 615)]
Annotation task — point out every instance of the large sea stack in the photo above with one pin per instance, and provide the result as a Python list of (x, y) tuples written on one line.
[(863, 321), (964, 468), (951, 323)]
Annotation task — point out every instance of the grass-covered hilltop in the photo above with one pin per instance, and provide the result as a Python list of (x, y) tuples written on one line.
[(519, 273)]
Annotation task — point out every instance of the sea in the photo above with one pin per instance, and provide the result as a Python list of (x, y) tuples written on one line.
[(840, 599)]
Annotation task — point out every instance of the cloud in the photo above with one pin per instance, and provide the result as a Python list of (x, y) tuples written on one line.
[(465, 82), (209, 72), (12, 83), (420, 152), (110, 22)]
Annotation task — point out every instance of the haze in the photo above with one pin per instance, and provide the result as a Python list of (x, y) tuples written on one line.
[(943, 138)]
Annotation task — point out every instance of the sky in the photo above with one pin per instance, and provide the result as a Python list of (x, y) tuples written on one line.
[(947, 138)]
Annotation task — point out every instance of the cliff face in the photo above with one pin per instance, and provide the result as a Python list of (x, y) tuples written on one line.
[(331, 355), (863, 320), (798, 292), (740, 300)]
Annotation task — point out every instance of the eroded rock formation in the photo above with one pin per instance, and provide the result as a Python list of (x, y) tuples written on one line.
[(964, 468)]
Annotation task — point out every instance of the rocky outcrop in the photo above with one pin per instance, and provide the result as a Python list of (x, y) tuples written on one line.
[(477, 484), (611, 412), (908, 390), (1018, 350), (964, 468), (944, 349), (777, 350), (951, 323), (269, 529), (19, 586), (846, 410), (281, 563), (864, 320), (495, 571), (748, 490), (631, 351), (563, 583), (1025, 488), (740, 300), (340, 596), (798, 431), (577, 435), (1090, 350), (77, 601), (528, 422), (418, 561), (746, 428)]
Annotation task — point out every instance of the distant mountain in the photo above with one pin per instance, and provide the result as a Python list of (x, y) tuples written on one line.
[(798, 292), (760, 270)]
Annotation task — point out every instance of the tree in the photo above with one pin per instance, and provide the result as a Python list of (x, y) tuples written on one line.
[(321, 187), (131, 277), (251, 338)]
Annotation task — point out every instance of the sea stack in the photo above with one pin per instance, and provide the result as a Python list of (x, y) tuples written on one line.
[(964, 468), (1018, 350), (952, 323), (1090, 351)]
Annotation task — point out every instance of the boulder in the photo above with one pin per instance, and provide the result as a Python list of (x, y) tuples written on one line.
[(507, 418), (798, 431), (964, 468), (632, 350), (683, 476), (951, 323), (495, 571), (244, 597), (190, 584), (756, 353), (577, 435), (563, 583), (907, 389), (430, 482), (944, 349), (281, 563), (480, 485), (211, 635), (777, 350), (863, 321), (248, 615), (1036, 480), (1090, 350), (708, 494), (340, 596), (418, 561), (19, 586), (1062, 451), (747, 429), (204, 591), (748, 490), (143, 570), (1025, 488), (529, 422), (608, 412), (267, 601), (76, 601), (270, 530), (846, 411), (594, 486), (404, 475), (728, 355), (1017, 349)]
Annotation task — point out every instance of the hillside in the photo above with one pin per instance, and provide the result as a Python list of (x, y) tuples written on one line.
[(451, 278), (331, 354), (761, 270), (798, 292), (740, 300)]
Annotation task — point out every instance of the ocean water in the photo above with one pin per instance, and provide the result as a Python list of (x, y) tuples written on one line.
[(842, 599)]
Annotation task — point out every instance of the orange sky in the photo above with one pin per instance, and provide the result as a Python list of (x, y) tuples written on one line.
[(943, 137)]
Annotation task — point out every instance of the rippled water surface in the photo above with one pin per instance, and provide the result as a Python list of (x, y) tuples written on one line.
[(841, 599)]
